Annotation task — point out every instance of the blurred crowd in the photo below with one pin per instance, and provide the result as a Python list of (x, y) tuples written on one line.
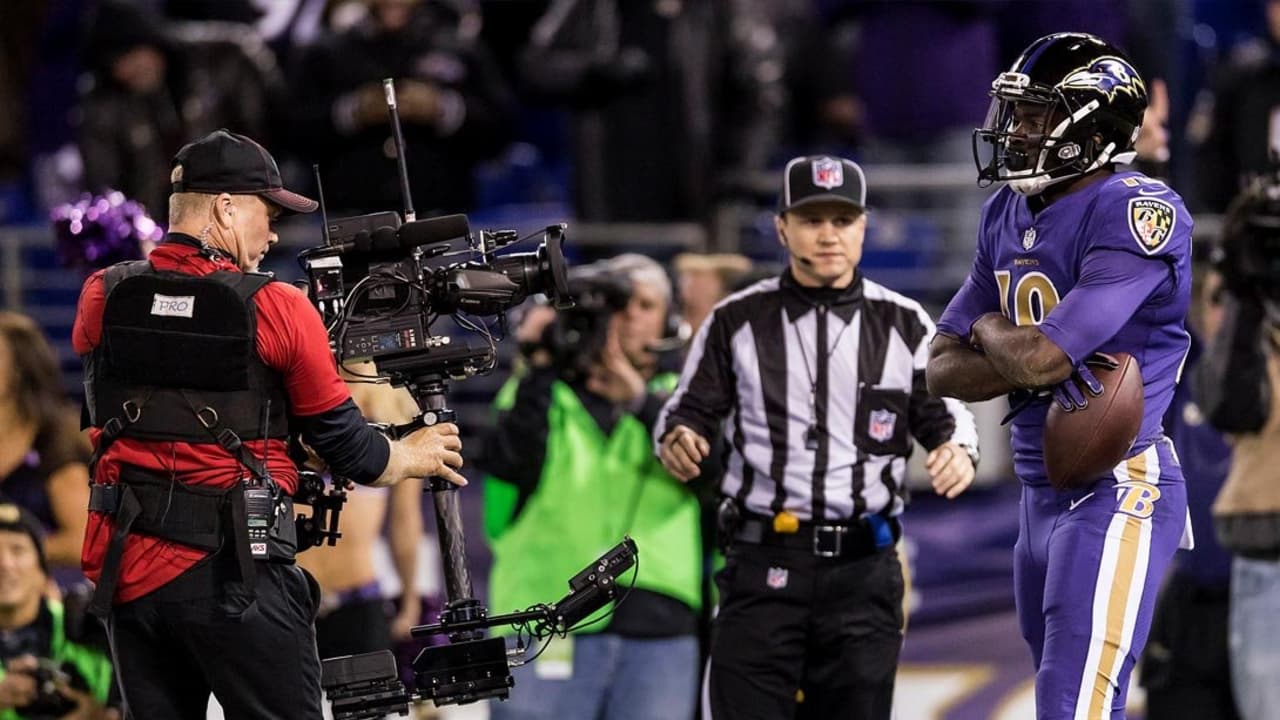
[(618, 111), (622, 111)]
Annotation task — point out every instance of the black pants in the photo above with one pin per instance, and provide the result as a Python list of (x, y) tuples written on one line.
[(791, 621), (201, 633), (1185, 664)]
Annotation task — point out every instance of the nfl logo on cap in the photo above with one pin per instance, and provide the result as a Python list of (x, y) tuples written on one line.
[(822, 179), (828, 173)]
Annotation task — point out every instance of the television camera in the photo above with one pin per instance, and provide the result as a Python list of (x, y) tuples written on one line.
[(574, 339), (381, 283), (1249, 254)]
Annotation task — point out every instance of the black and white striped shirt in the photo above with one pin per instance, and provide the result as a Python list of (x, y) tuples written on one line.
[(755, 365)]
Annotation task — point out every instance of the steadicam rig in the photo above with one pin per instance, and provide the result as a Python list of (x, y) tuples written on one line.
[(381, 283), (470, 667)]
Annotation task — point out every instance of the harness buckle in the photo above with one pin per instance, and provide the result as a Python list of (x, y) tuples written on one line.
[(112, 428), (229, 440)]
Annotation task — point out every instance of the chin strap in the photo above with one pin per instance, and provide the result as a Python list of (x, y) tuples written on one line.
[(1036, 185)]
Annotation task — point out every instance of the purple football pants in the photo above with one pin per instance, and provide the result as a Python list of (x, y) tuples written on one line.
[(1087, 568)]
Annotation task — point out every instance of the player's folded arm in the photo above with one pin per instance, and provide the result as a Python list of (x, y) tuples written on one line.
[(1113, 285), (955, 368), (958, 371), (1022, 354)]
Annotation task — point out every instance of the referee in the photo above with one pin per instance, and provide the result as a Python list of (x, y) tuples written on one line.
[(818, 379)]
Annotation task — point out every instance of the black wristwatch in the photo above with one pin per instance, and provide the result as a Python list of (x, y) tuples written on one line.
[(974, 455)]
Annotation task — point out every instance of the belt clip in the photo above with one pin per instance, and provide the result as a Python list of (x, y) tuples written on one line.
[(836, 531), (786, 523)]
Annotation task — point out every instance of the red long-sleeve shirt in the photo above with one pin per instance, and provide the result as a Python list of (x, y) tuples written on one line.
[(291, 340)]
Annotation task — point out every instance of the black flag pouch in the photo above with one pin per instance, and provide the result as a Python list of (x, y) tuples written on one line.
[(728, 522)]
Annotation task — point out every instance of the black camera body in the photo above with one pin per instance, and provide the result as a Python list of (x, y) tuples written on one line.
[(49, 703), (1249, 254), (379, 285), (575, 339)]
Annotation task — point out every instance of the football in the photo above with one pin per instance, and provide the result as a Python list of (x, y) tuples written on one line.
[(1081, 446)]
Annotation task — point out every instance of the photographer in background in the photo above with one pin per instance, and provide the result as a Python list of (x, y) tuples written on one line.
[(571, 473), (56, 663), (454, 105), (1184, 665), (1240, 386), (152, 84), (197, 369)]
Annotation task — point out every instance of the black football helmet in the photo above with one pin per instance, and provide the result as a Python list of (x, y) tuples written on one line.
[(1070, 104)]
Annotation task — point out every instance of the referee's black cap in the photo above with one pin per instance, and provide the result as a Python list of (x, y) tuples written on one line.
[(821, 178)]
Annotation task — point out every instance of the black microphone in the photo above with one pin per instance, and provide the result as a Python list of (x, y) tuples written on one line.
[(804, 260), (360, 243), (384, 239), (407, 236), (432, 230)]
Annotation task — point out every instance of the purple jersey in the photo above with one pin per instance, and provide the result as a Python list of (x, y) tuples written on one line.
[(1105, 268)]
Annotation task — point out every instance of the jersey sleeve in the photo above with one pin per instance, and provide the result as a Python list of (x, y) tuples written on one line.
[(1139, 241), (979, 294), (292, 340), (1140, 216)]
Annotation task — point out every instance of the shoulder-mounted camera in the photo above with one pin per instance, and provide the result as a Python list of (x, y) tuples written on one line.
[(1248, 255)]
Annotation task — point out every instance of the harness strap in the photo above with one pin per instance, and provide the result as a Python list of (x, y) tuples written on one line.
[(105, 592), (203, 518)]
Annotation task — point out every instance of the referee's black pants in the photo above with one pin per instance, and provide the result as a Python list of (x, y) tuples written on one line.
[(789, 621), (201, 634)]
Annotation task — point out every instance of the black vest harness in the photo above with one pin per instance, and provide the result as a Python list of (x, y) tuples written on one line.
[(178, 358), (178, 362)]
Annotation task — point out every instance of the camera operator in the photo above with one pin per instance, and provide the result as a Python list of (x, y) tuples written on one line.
[(54, 666), (196, 370), (1240, 385), (571, 473)]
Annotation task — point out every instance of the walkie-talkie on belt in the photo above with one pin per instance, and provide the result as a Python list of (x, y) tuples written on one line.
[(260, 501)]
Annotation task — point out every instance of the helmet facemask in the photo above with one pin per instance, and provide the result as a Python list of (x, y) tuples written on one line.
[(1061, 143)]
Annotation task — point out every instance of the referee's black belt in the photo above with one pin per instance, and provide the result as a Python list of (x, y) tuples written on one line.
[(854, 539)]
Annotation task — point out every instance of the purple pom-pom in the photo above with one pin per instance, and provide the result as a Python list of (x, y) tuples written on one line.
[(102, 230)]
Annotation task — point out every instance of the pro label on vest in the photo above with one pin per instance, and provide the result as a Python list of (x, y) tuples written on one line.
[(173, 305)]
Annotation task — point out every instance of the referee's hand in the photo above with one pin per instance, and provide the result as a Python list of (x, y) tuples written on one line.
[(950, 470), (682, 451)]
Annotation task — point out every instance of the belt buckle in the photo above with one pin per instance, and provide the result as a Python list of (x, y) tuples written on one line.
[(834, 531)]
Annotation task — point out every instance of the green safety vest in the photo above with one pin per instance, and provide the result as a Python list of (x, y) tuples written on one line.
[(92, 664), (594, 489)]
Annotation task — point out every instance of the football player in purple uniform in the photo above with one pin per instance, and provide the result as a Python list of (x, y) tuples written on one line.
[(1076, 258)]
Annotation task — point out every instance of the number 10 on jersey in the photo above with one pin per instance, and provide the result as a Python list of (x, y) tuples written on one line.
[(1032, 298)]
